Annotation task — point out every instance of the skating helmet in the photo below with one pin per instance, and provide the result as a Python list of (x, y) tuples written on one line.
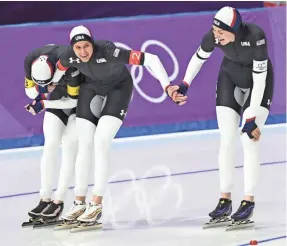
[(42, 71), (80, 33), (228, 19)]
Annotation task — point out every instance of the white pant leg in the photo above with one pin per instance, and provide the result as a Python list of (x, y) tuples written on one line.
[(85, 134), (228, 123), (69, 153), (251, 151), (53, 129), (107, 129)]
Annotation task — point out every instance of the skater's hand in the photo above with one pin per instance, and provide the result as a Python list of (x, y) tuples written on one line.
[(35, 107), (256, 134), (251, 129), (172, 92)]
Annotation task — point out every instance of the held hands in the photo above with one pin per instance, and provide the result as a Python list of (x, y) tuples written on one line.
[(35, 107), (251, 129), (178, 93)]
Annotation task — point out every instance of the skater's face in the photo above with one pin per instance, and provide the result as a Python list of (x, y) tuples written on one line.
[(224, 37), (83, 50)]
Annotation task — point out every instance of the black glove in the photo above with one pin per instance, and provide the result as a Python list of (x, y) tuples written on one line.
[(35, 109), (249, 127), (183, 88)]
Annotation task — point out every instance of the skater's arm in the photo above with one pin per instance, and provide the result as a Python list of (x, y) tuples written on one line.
[(178, 92), (201, 55), (74, 78), (63, 64), (133, 57), (260, 65), (154, 63), (38, 106), (64, 103)]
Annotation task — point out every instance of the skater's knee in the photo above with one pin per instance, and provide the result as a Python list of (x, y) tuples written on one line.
[(69, 139), (52, 143), (102, 143)]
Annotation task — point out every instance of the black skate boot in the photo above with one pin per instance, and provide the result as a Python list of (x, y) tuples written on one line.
[(50, 215), (35, 214), (220, 215), (240, 219)]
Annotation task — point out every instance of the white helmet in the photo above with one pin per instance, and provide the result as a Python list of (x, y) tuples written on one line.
[(80, 33), (42, 71), (228, 18)]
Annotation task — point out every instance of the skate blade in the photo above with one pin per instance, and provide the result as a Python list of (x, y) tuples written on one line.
[(236, 226), (217, 224), (82, 227), (65, 226), (47, 224), (213, 223), (31, 222), (28, 224)]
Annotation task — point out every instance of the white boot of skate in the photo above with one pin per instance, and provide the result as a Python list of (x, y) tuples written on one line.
[(91, 219), (76, 210), (70, 218)]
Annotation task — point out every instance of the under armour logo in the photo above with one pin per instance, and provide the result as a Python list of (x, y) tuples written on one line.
[(74, 60), (269, 102), (123, 113), (217, 40)]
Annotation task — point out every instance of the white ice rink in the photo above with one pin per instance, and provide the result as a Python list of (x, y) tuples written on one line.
[(170, 183)]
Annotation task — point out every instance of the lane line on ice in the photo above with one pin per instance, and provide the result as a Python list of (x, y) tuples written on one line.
[(156, 137), (265, 240), (150, 177)]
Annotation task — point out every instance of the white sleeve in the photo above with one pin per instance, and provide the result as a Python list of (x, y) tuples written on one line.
[(31, 92), (58, 75), (259, 82), (154, 63), (195, 64), (63, 103)]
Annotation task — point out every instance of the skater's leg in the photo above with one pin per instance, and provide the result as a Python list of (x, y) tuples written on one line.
[(53, 129), (251, 154), (107, 129), (69, 152), (228, 122), (112, 116), (85, 134), (88, 113), (228, 100)]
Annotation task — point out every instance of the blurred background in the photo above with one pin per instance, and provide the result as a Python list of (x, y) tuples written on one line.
[(172, 30)]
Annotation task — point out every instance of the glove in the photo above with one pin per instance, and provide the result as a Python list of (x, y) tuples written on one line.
[(35, 108), (249, 127), (183, 88)]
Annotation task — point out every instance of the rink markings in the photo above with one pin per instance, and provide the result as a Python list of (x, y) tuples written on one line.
[(149, 177), (265, 240)]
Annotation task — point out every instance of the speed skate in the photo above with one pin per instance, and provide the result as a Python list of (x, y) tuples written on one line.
[(219, 222), (229, 224)]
